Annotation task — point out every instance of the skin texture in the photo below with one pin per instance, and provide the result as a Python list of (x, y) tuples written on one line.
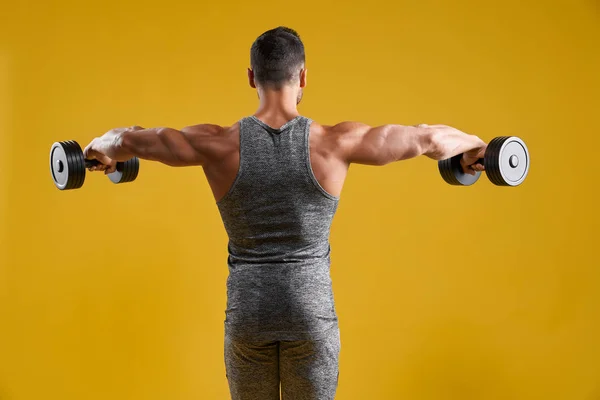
[(332, 148)]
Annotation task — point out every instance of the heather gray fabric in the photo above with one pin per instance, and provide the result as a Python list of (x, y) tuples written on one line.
[(307, 369), (278, 218)]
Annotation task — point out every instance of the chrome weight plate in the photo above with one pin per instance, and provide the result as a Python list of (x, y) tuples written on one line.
[(507, 161), (67, 165)]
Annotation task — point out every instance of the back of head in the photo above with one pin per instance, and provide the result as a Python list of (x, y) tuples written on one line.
[(276, 57)]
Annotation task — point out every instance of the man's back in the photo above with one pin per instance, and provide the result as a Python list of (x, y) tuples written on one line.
[(223, 160), (277, 217)]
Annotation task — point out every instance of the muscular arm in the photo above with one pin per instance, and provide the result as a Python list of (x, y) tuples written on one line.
[(362, 144), (186, 147)]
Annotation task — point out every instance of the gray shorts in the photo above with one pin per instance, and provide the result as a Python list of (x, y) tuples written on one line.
[(306, 369)]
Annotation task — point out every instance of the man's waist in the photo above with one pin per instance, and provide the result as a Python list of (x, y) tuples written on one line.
[(280, 264), (255, 253), (287, 280)]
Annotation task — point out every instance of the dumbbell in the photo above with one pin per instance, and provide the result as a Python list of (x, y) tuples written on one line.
[(506, 163), (68, 166)]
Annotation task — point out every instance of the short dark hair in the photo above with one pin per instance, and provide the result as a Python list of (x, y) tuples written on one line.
[(276, 57)]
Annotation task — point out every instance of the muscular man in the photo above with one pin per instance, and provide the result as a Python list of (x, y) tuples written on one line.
[(276, 177)]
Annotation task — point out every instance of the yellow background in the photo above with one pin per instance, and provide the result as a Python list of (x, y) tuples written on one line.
[(118, 292)]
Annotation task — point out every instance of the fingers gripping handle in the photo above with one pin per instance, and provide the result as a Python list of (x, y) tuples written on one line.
[(480, 161), (92, 163), (95, 163)]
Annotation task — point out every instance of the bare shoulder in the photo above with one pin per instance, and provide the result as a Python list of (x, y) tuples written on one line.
[(214, 141), (341, 132), (207, 134), (345, 128), (208, 129)]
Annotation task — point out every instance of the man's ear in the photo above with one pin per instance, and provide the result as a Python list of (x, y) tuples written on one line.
[(303, 77), (251, 78)]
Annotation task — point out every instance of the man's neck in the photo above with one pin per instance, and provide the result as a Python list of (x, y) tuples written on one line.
[(277, 106)]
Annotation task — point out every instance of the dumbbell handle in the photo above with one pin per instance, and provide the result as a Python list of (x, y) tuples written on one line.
[(95, 163), (92, 163), (480, 161)]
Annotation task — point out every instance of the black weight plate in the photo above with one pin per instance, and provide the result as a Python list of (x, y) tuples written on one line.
[(492, 160), (126, 172), (447, 172), (133, 167), (445, 166), (450, 173), (130, 167), (75, 168), (78, 166), (453, 173), (508, 161), (74, 173), (78, 152)]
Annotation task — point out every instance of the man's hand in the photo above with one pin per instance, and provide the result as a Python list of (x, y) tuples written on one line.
[(91, 153), (98, 148), (469, 160)]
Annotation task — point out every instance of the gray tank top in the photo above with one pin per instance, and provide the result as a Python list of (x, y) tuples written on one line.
[(278, 219)]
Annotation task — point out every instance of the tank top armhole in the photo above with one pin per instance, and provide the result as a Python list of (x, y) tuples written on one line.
[(310, 171), (240, 166)]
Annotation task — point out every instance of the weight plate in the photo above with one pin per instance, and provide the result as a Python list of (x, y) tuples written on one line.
[(492, 160), (126, 171), (59, 168), (79, 163), (135, 162), (452, 172), (133, 166), (74, 172), (77, 155), (507, 161), (65, 166), (444, 167), (116, 176)]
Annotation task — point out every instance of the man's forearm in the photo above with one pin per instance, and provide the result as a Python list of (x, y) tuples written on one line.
[(446, 142)]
